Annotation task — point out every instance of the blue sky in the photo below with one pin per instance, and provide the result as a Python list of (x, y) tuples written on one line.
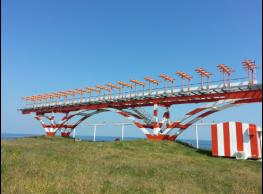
[(50, 46)]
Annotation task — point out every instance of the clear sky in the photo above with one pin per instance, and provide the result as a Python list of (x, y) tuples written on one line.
[(50, 46)]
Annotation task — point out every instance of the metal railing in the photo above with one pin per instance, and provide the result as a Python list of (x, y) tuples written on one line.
[(137, 94)]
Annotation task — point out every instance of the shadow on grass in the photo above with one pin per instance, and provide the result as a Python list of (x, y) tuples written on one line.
[(201, 151), (204, 152)]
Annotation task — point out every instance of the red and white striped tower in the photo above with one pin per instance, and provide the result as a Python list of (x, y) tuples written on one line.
[(156, 127), (49, 129)]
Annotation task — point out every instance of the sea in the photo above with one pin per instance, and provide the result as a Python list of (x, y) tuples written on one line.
[(203, 144)]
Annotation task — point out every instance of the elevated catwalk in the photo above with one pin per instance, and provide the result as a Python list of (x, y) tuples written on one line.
[(217, 96), (129, 105), (237, 90)]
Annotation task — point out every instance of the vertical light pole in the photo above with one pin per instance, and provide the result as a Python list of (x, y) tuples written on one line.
[(150, 80), (114, 86), (250, 67), (64, 95), (95, 129), (167, 78), (196, 131), (50, 98), (88, 92), (226, 71), (58, 95), (74, 133), (94, 89), (184, 76), (196, 136), (123, 84), (94, 133), (203, 74), (73, 94), (80, 92), (104, 88), (136, 82), (122, 128)]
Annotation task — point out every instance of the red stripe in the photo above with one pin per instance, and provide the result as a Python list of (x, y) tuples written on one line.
[(136, 116), (166, 115), (155, 112), (197, 110), (239, 136), (226, 139), (207, 113), (123, 114), (155, 125), (51, 133), (214, 140), (139, 125), (253, 140), (160, 137)]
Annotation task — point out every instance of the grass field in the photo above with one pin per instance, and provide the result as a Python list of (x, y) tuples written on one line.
[(57, 165)]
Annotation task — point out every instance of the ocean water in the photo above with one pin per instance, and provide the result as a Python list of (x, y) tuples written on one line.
[(203, 144)]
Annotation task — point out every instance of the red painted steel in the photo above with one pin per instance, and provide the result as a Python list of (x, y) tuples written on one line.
[(253, 140), (226, 139), (161, 137), (239, 136), (248, 96), (224, 95), (51, 134), (214, 140)]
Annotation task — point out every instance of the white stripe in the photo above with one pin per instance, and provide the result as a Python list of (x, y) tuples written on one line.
[(52, 129), (144, 130), (259, 141), (233, 139), (220, 135)]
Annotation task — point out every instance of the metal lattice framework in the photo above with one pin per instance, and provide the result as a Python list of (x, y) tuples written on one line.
[(74, 104)]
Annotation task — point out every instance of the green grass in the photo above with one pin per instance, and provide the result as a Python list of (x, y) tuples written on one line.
[(57, 165)]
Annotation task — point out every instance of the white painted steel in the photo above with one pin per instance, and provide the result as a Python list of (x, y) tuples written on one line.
[(196, 136)]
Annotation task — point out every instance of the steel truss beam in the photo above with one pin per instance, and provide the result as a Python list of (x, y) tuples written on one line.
[(62, 126), (248, 92), (154, 128), (162, 129)]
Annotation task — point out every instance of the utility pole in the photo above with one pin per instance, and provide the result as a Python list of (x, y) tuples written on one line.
[(95, 128), (122, 128)]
